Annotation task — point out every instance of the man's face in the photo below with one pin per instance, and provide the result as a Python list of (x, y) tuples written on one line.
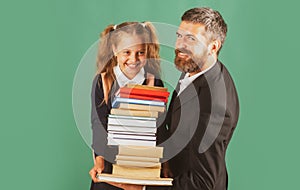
[(191, 47)]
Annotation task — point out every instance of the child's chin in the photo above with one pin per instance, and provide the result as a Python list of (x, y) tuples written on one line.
[(132, 71)]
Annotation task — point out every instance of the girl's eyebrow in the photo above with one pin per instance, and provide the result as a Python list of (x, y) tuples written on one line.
[(142, 49)]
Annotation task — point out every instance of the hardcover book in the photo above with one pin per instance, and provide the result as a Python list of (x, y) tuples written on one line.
[(118, 100), (142, 113), (135, 180)]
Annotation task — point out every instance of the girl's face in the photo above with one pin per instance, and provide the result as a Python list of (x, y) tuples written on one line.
[(131, 54)]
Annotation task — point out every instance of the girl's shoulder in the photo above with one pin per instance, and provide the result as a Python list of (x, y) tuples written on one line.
[(97, 82), (153, 80), (158, 82)]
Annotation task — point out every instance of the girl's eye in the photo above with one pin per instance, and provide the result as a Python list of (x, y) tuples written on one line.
[(126, 52), (141, 53)]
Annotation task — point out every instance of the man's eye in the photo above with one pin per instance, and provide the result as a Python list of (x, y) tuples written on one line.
[(191, 38), (178, 35)]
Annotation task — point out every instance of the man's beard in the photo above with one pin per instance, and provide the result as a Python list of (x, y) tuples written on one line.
[(190, 65)]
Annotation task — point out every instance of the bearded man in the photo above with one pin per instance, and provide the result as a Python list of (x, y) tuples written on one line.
[(204, 109)]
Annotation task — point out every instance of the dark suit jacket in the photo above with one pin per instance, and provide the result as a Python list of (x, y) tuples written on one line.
[(199, 125)]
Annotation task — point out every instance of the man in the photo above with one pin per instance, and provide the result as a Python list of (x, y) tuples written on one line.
[(204, 109)]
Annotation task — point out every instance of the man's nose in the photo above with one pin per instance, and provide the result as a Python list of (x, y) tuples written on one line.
[(180, 43)]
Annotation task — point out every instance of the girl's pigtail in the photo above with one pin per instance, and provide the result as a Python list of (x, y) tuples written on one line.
[(106, 60), (153, 65)]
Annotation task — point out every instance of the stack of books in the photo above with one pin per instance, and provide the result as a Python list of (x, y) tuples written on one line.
[(137, 165), (132, 126), (132, 120)]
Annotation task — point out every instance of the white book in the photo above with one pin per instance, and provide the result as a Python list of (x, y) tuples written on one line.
[(127, 180), (131, 122), (132, 133), (132, 129), (127, 136), (136, 181), (119, 100), (115, 141)]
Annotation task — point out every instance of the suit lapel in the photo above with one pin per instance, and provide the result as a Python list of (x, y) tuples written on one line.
[(187, 94), (194, 88)]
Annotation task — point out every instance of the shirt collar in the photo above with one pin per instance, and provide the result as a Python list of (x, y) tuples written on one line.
[(187, 79), (123, 80)]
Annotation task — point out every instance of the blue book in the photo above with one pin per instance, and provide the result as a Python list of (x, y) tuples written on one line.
[(118, 100)]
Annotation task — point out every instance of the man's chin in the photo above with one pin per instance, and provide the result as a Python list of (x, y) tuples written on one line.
[(179, 68), (186, 66)]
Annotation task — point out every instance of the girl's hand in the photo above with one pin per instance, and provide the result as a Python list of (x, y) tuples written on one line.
[(97, 169)]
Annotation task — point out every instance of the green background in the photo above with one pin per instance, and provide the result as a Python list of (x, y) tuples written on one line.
[(43, 41)]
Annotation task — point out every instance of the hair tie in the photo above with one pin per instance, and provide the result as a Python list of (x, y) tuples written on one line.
[(115, 27), (143, 24)]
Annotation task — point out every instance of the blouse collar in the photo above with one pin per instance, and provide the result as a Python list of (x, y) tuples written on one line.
[(123, 80)]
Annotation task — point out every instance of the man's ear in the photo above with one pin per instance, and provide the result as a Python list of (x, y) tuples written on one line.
[(215, 46)]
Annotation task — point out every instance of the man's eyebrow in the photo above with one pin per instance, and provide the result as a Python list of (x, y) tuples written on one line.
[(186, 34), (190, 35)]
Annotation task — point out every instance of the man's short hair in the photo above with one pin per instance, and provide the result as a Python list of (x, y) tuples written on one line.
[(213, 21)]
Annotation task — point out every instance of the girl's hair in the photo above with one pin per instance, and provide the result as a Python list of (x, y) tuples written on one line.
[(110, 37)]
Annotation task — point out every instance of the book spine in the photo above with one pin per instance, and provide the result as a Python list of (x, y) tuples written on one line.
[(136, 158), (137, 86), (132, 137), (132, 129), (138, 164), (152, 152), (117, 141), (136, 171), (132, 117), (143, 97), (144, 92), (141, 107), (131, 122), (115, 111), (119, 100)]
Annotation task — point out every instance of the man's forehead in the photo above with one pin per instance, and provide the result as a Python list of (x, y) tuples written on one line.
[(191, 28)]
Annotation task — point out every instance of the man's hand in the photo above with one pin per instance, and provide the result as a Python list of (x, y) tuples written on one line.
[(97, 169), (127, 186), (166, 170)]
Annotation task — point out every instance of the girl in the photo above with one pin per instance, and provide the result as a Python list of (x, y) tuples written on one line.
[(128, 53)]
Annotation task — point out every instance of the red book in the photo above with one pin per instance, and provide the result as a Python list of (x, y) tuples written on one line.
[(143, 97), (144, 92)]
